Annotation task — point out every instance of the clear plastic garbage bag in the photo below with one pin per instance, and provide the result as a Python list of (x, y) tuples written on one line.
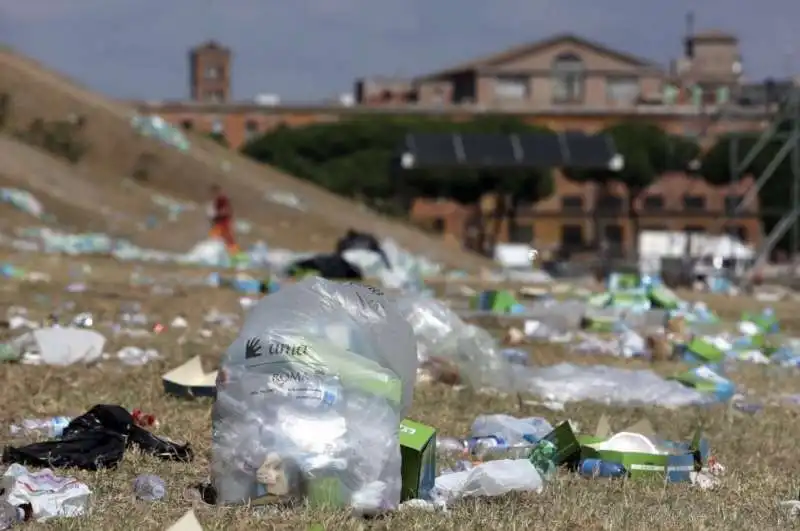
[(310, 396), (443, 337)]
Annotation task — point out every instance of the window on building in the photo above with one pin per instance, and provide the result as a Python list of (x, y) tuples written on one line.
[(622, 90), (694, 229), (732, 203), (187, 125), (723, 95), (251, 129), (572, 203), (572, 237), (610, 203), (613, 236), (653, 202), (213, 72), (438, 225), (521, 234), (569, 79), (214, 96), (511, 88), (613, 233), (217, 126), (694, 202)]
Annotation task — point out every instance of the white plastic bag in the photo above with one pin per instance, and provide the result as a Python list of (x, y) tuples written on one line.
[(310, 397), (492, 478), (50, 496)]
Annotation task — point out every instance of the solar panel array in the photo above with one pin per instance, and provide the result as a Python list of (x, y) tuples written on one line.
[(530, 150)]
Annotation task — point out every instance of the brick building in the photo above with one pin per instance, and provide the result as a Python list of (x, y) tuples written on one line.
[(675, 202), (564, 82)]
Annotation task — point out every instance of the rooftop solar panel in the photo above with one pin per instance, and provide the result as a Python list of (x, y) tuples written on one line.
[(489, 150), (540, 150), (432, 149), (588, 151)]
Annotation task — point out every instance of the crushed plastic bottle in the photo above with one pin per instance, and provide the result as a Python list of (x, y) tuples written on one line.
[(149, 488), (511, 429), (52, 427), (598, 468), (494, 447), (451, 446)]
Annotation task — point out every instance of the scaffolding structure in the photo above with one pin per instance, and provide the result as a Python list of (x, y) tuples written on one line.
[(783, 130)]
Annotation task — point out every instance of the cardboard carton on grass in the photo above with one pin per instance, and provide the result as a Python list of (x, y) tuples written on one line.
[(418, 454), (663, 297), (631, 300), (701, 350), (706, 380), (190, 380), (623, 281), (673, 460), (643, 453)]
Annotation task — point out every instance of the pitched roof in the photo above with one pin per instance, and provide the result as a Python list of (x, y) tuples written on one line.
[(532, 47)]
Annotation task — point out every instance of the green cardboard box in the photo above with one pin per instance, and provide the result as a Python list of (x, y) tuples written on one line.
[(704, 351), (567, 447), (418, 452), (663, 298), (676, 464), (675, 461)]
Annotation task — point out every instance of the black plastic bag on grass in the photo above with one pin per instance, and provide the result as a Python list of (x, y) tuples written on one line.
[(97, 439)]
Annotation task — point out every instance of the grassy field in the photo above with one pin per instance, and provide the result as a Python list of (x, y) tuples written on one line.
[(759, 450)]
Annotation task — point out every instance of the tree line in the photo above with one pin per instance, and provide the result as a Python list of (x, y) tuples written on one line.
[(357, 158)]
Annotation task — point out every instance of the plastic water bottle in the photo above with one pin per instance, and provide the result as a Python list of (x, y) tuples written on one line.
[(494, 447), (52, 427), (451, 446), (149, 488), (510, 429), (597, 468)]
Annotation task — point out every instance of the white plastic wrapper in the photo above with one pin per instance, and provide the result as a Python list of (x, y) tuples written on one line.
[(310, 397)]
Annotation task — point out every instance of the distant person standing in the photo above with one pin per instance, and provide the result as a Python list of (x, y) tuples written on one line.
[(220, 215)]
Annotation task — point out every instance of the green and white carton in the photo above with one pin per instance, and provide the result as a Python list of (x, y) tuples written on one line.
[(704, 351), (663, 297), (672, 460), (418, 453)]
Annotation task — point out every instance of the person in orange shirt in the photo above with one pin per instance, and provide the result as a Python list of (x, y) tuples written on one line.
[(221, 217)]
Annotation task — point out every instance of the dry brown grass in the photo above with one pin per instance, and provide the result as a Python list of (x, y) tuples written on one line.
[(759, 451)]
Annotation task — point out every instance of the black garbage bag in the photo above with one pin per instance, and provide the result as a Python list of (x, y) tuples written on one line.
[(97, 439), (330, 266), (362, 240)]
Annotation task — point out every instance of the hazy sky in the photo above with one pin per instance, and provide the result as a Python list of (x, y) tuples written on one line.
[(308, 49)]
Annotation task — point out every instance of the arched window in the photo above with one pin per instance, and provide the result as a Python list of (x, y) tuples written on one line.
[(569, 77)]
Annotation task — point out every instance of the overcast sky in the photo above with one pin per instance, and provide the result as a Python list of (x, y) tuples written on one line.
[(309, 49)]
